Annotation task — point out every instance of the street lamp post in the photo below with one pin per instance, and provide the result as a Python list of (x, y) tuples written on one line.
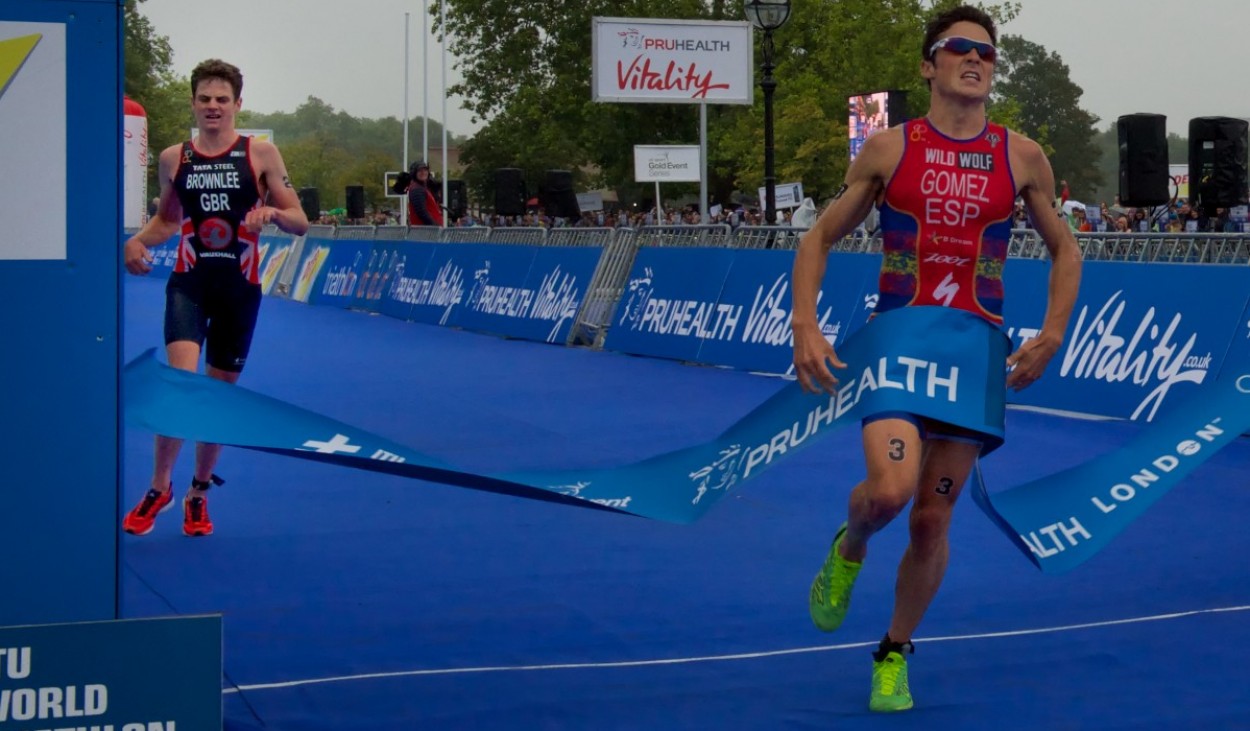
[(768, 16)]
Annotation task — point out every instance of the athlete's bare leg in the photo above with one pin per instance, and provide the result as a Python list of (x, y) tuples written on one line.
[(206, 454), (893, 452), (946, 468)]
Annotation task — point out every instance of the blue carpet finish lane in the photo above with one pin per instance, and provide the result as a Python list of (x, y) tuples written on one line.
[(323, 571)]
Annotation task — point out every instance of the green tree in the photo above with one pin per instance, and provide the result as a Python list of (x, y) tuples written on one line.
[(367, 170), (315, 161), (536, 54), (1049, 112), (323, 148), (329, 149), (1108, 144), (150, 81)]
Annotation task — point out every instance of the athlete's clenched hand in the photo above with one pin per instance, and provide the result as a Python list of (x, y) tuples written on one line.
[(1030, 361), (136, 257), (258, 218)]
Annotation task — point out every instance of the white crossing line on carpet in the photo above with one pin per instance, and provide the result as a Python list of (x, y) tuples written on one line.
[(723, 658)]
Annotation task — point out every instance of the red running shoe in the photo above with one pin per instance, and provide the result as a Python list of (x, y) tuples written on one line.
[(142, 518), (195, 520)]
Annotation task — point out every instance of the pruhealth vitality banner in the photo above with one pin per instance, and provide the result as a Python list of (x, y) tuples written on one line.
[(733, 307), (671, 303), (527, 292), (1141, 338), (758, 292)]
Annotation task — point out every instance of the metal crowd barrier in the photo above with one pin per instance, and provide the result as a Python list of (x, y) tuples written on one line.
[(767, 237), (390, 233), (606, 286), (428, 234), (712, 235), (467, 235), (860, 242), (582, 236), (525, 235), (355, 233), (1026, 244), (290, 269), (1175, 248)]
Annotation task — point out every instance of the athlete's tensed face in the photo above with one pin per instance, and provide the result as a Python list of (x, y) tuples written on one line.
[(959, 68), (214, 105)]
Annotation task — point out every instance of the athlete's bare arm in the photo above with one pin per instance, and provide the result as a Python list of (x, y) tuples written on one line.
[(164, 224), (282, 204), (865, 180), (1037, 186)]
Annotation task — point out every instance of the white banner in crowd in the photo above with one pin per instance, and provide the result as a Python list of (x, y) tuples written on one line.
[(1178, 186), (666, 163), (672, 61), (785, 195), (590, 201)]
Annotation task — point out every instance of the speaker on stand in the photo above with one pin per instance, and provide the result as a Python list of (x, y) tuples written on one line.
[(1143, 159), (1217, 162), (558, 197), (356, 202), (310, 201), (509, 192), (457, 198)]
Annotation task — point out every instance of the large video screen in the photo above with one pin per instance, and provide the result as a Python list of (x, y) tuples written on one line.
[(870, 113)]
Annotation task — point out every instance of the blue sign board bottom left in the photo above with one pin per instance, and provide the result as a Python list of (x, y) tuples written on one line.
[(159, 674)]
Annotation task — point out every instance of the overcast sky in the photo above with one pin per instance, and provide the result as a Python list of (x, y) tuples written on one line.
[(1184, 60)]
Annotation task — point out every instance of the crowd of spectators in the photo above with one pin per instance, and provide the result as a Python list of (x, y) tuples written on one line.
[(1176, 216), (538, 217), (686, 216)]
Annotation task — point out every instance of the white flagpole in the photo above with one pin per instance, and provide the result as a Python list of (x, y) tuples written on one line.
[(705, 218), (442, 27), (403, 216), (425, 81)]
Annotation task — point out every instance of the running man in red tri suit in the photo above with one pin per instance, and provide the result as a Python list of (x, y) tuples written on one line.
[(945, 186), (219, 190)]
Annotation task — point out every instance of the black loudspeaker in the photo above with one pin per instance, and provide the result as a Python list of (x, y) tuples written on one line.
[(509, 192), (1217, 162), (310, 201), (457, 198), (355, 201), (558, 196), (1143, 159)]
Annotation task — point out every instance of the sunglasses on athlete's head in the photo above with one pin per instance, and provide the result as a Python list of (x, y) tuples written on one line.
[(963, 46)]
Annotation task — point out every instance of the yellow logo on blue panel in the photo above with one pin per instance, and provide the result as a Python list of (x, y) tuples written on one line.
[(34, 134), (13, 53)]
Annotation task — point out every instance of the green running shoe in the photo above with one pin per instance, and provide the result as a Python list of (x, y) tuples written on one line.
[(831, 589), (889, 684)]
